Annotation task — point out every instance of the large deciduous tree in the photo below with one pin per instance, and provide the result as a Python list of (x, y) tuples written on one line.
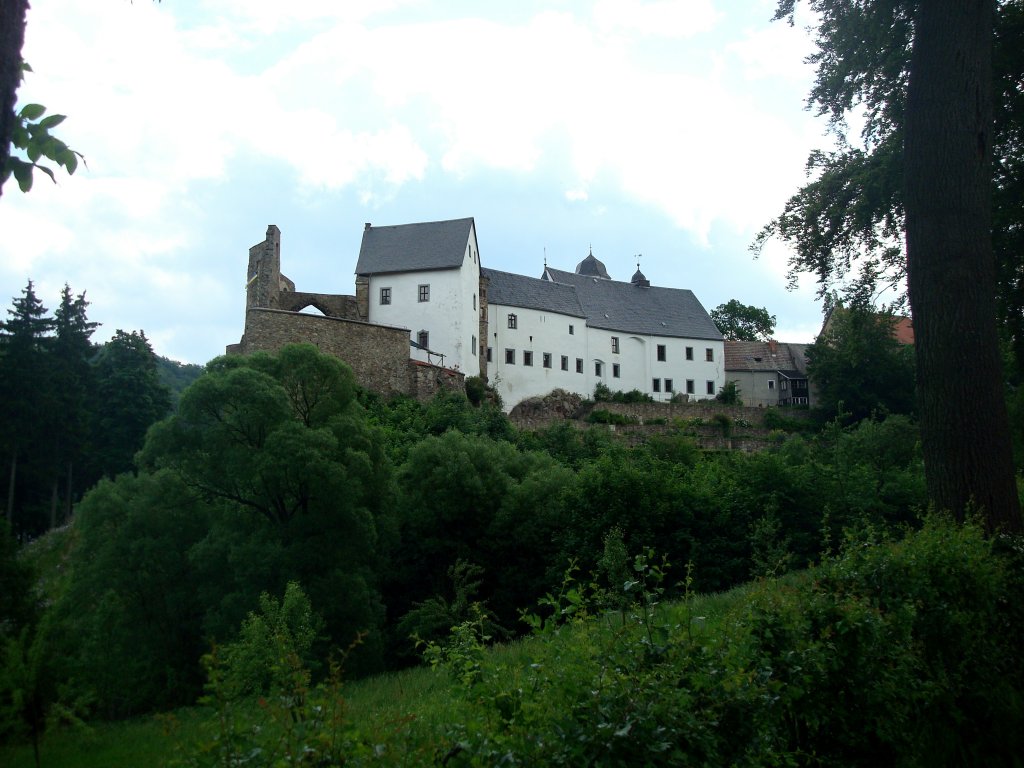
[(921, 76), (743, 322), (947, 152)]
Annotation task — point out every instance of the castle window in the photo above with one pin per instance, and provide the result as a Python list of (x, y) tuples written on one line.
[(690, 389), (709, 354), (711, 387), (565, 362), (527, 358), (473, 347), (572, 331), (597, 368), (510, 356), (656, 385), (490, 355), (513, 321), (661, 353), (385, 295), (771, 383), (423, 339), (424, 293), (668, 385), (615, 370), (474, 302), (615, 345), (689, 353), (579, 365), (547, 360)]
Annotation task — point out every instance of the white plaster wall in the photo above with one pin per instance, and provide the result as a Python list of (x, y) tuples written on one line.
[(536, 332), (449, 316), (679, 369), (542, 332)]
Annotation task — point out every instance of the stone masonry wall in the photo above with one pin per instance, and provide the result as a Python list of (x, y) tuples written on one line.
[(377, 354)]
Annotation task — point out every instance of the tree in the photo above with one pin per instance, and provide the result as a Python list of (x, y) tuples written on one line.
[(129, 399), (858, 366), (922, 75), (24, 341), (72, 377), (743, 322)]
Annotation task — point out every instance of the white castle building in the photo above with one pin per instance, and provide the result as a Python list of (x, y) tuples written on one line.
[(527, 335)]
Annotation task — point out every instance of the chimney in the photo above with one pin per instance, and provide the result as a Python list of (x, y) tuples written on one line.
[(366, 226), (773, 347)]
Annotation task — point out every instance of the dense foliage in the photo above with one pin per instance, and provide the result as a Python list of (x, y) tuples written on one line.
[(743, 322), (70, 412), (395, 518)]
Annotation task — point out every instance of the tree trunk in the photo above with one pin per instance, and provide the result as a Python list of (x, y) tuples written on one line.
[(12, 37), (965, 431), (10, 485)]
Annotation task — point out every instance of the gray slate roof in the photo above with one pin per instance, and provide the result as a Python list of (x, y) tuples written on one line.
[(756, 356), (413, 247), (652, 311), (531, 293)]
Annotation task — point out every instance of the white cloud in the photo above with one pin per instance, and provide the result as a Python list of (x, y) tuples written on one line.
[(658, 18)]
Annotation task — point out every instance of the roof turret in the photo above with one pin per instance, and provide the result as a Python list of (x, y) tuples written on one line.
[(592, 267)]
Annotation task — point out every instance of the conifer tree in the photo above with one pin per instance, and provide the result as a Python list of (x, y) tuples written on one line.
[(24, 393)]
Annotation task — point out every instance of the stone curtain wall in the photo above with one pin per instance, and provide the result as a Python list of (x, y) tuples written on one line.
[(377, 354)]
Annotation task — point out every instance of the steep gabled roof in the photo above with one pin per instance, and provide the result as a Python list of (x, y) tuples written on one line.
[(531, 293), (413, 247), (767, 357), (651, 311)]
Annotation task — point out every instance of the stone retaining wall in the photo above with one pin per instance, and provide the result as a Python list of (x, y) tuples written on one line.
[(377, 354)]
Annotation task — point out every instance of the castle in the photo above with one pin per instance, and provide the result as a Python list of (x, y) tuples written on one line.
[(426, 313)]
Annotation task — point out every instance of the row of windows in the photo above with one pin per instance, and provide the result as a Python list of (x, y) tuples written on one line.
[(422, 293), (662, 351), (656, 384)]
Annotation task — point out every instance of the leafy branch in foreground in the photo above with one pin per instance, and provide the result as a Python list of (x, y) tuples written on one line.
[(32, 136)]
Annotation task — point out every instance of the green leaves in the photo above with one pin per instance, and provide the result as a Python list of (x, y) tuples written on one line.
[(31, 134)]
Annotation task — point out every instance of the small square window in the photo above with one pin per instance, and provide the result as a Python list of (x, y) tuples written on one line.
[(690, 389), (490, 354), (689, 353), (615, 345), (771, 383), (711, 387), (615, 370), (565, 362), (656, 385), (546, 360), (661, 353), (510, 356), (385, 295), (571, 329), (597, 368), (423, 339), (709, 354), (668, 385), (527, 358), (513, 321), (424, 293), (579, 365)]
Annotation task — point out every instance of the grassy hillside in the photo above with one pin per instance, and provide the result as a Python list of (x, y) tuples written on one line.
[(896, 652)]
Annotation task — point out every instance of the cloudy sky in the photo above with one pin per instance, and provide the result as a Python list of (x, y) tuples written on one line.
[(674, 129)]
